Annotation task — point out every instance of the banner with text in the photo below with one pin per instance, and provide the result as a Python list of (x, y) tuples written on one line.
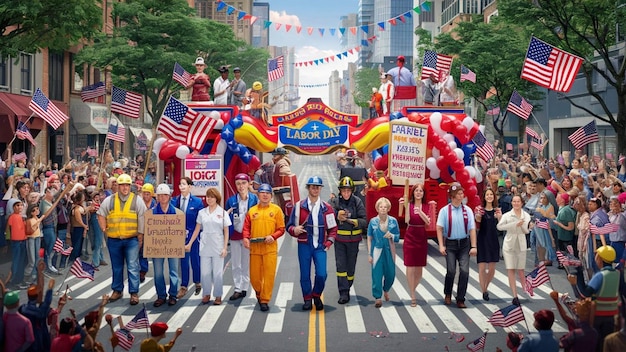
[(206, 171), (407, 152), (164, 235)]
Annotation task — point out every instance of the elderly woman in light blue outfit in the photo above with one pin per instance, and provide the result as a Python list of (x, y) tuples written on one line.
[(381, 231)]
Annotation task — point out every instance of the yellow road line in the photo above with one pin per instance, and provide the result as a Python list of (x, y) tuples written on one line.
[(312, 330), (322, 331)]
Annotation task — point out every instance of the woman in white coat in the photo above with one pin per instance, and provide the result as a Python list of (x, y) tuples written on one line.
[(516, 225)]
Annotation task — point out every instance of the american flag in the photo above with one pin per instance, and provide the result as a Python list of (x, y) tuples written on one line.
[(585, 135), (125, 102), (550, 67), (519, 106), (536, 278), (93, 91), (484, 149), (275, 68), (467, 74), (603, 230), (42, 106), (543, 224), (621, 159), (125, 338), (537, 144), (495, 110), (182, 124), (433, 63), (532, 133), (477, 344), (58, 247), (117, 131), (82, 270), (140, 321), (566, 261), (23, 132), (181, 76), (507, 316)]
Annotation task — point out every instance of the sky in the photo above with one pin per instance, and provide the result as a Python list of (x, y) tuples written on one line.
[(312, 13)]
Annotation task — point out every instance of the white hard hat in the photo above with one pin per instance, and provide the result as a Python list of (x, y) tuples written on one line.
[(163, 189)]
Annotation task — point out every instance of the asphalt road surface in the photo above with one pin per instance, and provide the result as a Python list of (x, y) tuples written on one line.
[(356, 326)]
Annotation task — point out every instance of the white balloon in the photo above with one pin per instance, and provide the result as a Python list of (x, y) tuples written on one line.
[(221, 148), (468, 122), (435, 173), (452, 145), (182, 152), (158, 143), (470, 169), (219, 124), (459, 153), (479, 177), (431, 163), (215, 115), (435, 122), (436, 153), (448, 137)]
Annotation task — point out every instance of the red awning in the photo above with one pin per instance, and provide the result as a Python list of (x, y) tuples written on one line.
[(13, 108)]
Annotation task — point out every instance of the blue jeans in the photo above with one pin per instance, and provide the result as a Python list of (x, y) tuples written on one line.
[(95, 237), (143, 262), (457, 251), (62, 234), (306, 255), (32, 253), (18, 251), (49, 237), (159, 277), (120, 251), (77, 242)]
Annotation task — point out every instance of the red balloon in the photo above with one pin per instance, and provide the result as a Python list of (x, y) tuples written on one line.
[(414, 117), (168, 150), (462, 176), (382, 163), (447, 123), (442, 164), (254, 163), (225, 116), (472, 191), (441, 144), (472, 132)]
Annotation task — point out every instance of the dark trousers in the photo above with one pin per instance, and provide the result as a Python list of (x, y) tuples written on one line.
[(345, 258), (457, 252)]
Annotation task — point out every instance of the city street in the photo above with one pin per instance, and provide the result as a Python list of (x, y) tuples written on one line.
[(358, 325)]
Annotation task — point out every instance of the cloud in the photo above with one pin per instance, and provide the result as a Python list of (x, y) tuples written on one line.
[(284, 18)]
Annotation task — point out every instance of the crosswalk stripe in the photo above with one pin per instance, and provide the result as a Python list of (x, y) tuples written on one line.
[(392, 319), (276, 316), (421, 320), (352, 311), (211, 315), (443, 312), (183, 313), (243, 314)]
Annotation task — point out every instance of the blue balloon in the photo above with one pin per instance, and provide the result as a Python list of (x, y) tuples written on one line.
[(468, 150), (228, 133), (376, 154), (395, 115), (385, 149), (236, 122), (242, 149), (245, 156), (235, 149), (231, 144)]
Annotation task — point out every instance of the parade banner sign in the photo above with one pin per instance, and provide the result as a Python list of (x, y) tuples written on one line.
[(164, 235), (407, 152), (206, 171)]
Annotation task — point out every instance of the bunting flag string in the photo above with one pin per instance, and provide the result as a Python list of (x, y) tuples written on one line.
[(339, 56), (424, 6)]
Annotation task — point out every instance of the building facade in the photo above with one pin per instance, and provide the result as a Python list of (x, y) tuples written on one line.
[(260, 36)]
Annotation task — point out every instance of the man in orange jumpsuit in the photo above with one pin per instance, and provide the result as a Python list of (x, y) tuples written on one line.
[(264, 224)]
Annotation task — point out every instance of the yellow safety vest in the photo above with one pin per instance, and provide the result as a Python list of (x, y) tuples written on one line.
[(122, 223)]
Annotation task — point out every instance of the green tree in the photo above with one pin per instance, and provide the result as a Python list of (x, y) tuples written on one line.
[(479, 46), (153, 36), (365, 79), (589, 29), (54, 24)]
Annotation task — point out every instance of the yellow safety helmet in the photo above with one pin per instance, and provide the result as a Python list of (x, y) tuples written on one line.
[(148, 187), (124, 179), (607, 254), (346, 182), (257, 85)]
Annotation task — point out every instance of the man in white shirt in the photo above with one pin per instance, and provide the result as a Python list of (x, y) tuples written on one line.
[(221, 87), (387, 90)]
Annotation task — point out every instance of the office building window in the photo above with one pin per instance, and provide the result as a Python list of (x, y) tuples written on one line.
[(4, 72), (55, 76), (26, 73)]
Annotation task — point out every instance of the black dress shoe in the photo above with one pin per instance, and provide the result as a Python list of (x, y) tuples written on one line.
[(244, 293), (319, 305), (236, 296), (486, 296), (264, 307), (343, 300), (515, 301), (307, 305)]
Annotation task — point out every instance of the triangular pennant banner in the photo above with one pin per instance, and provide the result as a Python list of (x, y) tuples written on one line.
[(241, 15), (381, 26), (230, 10), (220, 6), (309, 30), (408, 14), (342, 30), (393, 21), (287, 27), (417, 9), (345, 53), (277, 25), (311, 63), (426, 6), (364, 42), (298, 29), (332, 31), (326, 59), (357, 49), (350, 51), (365, 29), (339, 56), (353, 30), (402, 19), (267, 24), (253, 19), (321, 31)]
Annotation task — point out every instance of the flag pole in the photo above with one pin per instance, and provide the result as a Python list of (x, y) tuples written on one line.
[(147, 327), (524, 315), (9, 146)]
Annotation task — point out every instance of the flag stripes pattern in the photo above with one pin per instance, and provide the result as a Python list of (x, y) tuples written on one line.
[(182, 124), (550, 67), (82, 270), (117, 132), (23, 132), (42, 106), (467, 74), (584, 135), (519, 106), (181, 76), (275, 68), (477, 344), (536, 278), (507, 316), (603, 230), (93, 91), (140, 321), (566, 261), (125, 338), (484, 149), (433, 63), (58, 247), (125, 102)]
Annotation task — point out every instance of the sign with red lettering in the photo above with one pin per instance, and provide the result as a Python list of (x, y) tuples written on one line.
[(206, 171), (316, 109), (407, 152)]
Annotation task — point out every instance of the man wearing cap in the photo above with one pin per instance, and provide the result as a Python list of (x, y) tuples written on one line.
[(264, 224), (430, 90), (456, 233), (157, 333), (237, 207), (221, 87), (387, 90), (38, 316), (543, 340), (120, 217), (147, 195), (237, 89), (603, 288), (164, 206), (200, 82), (312, 222), (18, 330), (404, 82)]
